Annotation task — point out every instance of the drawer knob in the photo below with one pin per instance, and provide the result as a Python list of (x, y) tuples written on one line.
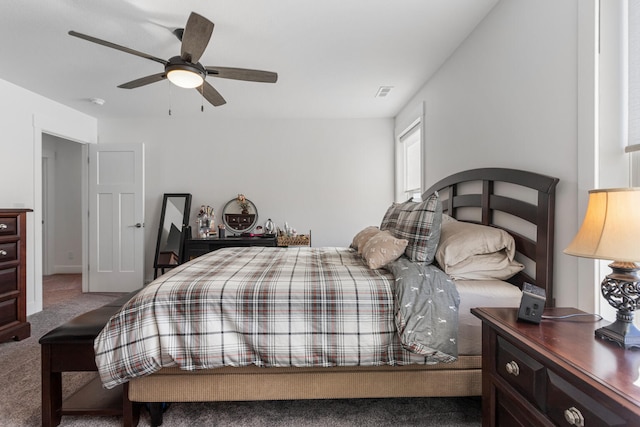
[(512, 368), (3, 226), (574, 417), (3, 252)]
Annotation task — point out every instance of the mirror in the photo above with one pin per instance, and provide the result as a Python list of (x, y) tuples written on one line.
[(174, 217), (240, 215)]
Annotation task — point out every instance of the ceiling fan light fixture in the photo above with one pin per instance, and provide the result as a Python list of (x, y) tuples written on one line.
[(185, 78)]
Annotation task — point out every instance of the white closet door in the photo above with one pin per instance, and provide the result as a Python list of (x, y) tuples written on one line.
[(116, 217)]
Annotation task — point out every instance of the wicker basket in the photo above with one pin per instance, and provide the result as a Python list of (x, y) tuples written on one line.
[(300, 240)]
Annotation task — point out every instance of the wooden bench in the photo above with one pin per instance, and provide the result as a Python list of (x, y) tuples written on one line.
[(69, 348)]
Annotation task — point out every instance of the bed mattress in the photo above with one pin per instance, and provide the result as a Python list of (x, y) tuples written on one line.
[(480, 293)]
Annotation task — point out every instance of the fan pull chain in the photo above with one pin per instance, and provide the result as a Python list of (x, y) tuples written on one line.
[(170, 97), (202, 99)]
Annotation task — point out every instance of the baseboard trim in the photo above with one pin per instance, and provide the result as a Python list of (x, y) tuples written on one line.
[(67, 269)]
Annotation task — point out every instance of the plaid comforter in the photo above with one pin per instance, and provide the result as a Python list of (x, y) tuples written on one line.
[(270, 307)]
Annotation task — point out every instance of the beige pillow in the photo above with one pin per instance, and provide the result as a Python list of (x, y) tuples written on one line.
[(476, 252), (363, 237), (383, 248), (493, 266), (446, 219)]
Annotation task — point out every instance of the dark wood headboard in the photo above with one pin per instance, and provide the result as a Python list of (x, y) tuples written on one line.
[(485, 195)]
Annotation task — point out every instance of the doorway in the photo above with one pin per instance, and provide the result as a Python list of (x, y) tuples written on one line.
[(62, 230)]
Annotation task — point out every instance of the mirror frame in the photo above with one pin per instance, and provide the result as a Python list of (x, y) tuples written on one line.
[(184, 226), (234, 230)]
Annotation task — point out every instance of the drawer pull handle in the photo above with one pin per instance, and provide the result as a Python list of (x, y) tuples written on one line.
[(3, 226), (574, 417), (512, 368), (3, 252)]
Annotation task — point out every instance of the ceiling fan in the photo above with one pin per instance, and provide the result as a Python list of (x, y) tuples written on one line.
[(185, 70)]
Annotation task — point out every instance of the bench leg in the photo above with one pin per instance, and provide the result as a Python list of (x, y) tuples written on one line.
[(130, 410), (51, 391), (155, 410)]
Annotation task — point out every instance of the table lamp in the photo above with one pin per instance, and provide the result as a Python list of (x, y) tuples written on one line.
[(611, 231)]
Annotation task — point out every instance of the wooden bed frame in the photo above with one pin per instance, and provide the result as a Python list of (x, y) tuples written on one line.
[(480, 195)]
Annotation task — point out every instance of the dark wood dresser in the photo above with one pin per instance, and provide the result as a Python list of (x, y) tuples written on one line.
[(194, 248), (555, 373), (13, 275)]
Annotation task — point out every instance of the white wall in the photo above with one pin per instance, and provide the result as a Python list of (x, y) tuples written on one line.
[(333, 177), (24, 115), (508, 98)]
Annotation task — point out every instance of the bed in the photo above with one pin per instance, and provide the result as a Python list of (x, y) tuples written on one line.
[(518, 202)]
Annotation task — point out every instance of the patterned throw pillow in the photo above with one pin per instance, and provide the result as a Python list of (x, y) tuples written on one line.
[(383, 248), (390, 218), (420, 225), (363, 237)]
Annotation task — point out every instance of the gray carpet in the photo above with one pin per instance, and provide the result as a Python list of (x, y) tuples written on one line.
[(20, 403)]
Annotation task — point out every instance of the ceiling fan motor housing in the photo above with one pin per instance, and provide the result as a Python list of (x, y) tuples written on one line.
[(177, 63)]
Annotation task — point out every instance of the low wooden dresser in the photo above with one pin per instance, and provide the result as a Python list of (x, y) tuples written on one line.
[(555, 373), (194, 248), (13, 275)]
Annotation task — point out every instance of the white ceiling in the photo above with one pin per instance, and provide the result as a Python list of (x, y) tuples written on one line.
[(331, 55)]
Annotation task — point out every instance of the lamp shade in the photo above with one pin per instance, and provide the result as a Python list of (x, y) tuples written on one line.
[(611, 226)]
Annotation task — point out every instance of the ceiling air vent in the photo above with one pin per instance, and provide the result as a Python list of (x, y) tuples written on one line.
[(383, 91)]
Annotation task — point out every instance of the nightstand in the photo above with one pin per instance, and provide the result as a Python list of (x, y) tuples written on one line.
[(555, 372)]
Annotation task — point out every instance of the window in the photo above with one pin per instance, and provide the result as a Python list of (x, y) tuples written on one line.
[(634, 91), (409, 174)]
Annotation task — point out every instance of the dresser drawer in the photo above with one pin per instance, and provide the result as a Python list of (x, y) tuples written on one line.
[(8, 252), (8, 311), (521, 371), (8, 226), (8, 280), (510, 413), (568, 406), (239, 221)]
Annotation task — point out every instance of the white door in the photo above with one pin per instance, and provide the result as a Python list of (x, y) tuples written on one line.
[(116, 217)]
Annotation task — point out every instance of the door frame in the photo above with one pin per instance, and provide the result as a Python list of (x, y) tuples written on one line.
[(69, 131), (48, 242)]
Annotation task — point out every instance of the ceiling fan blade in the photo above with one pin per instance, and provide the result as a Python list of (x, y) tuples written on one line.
[(195, 39), (143, 81), (243, 74), (211, 95), (117, 47)]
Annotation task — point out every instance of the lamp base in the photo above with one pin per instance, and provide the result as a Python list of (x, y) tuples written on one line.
[(621, 289), (625, 334)]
